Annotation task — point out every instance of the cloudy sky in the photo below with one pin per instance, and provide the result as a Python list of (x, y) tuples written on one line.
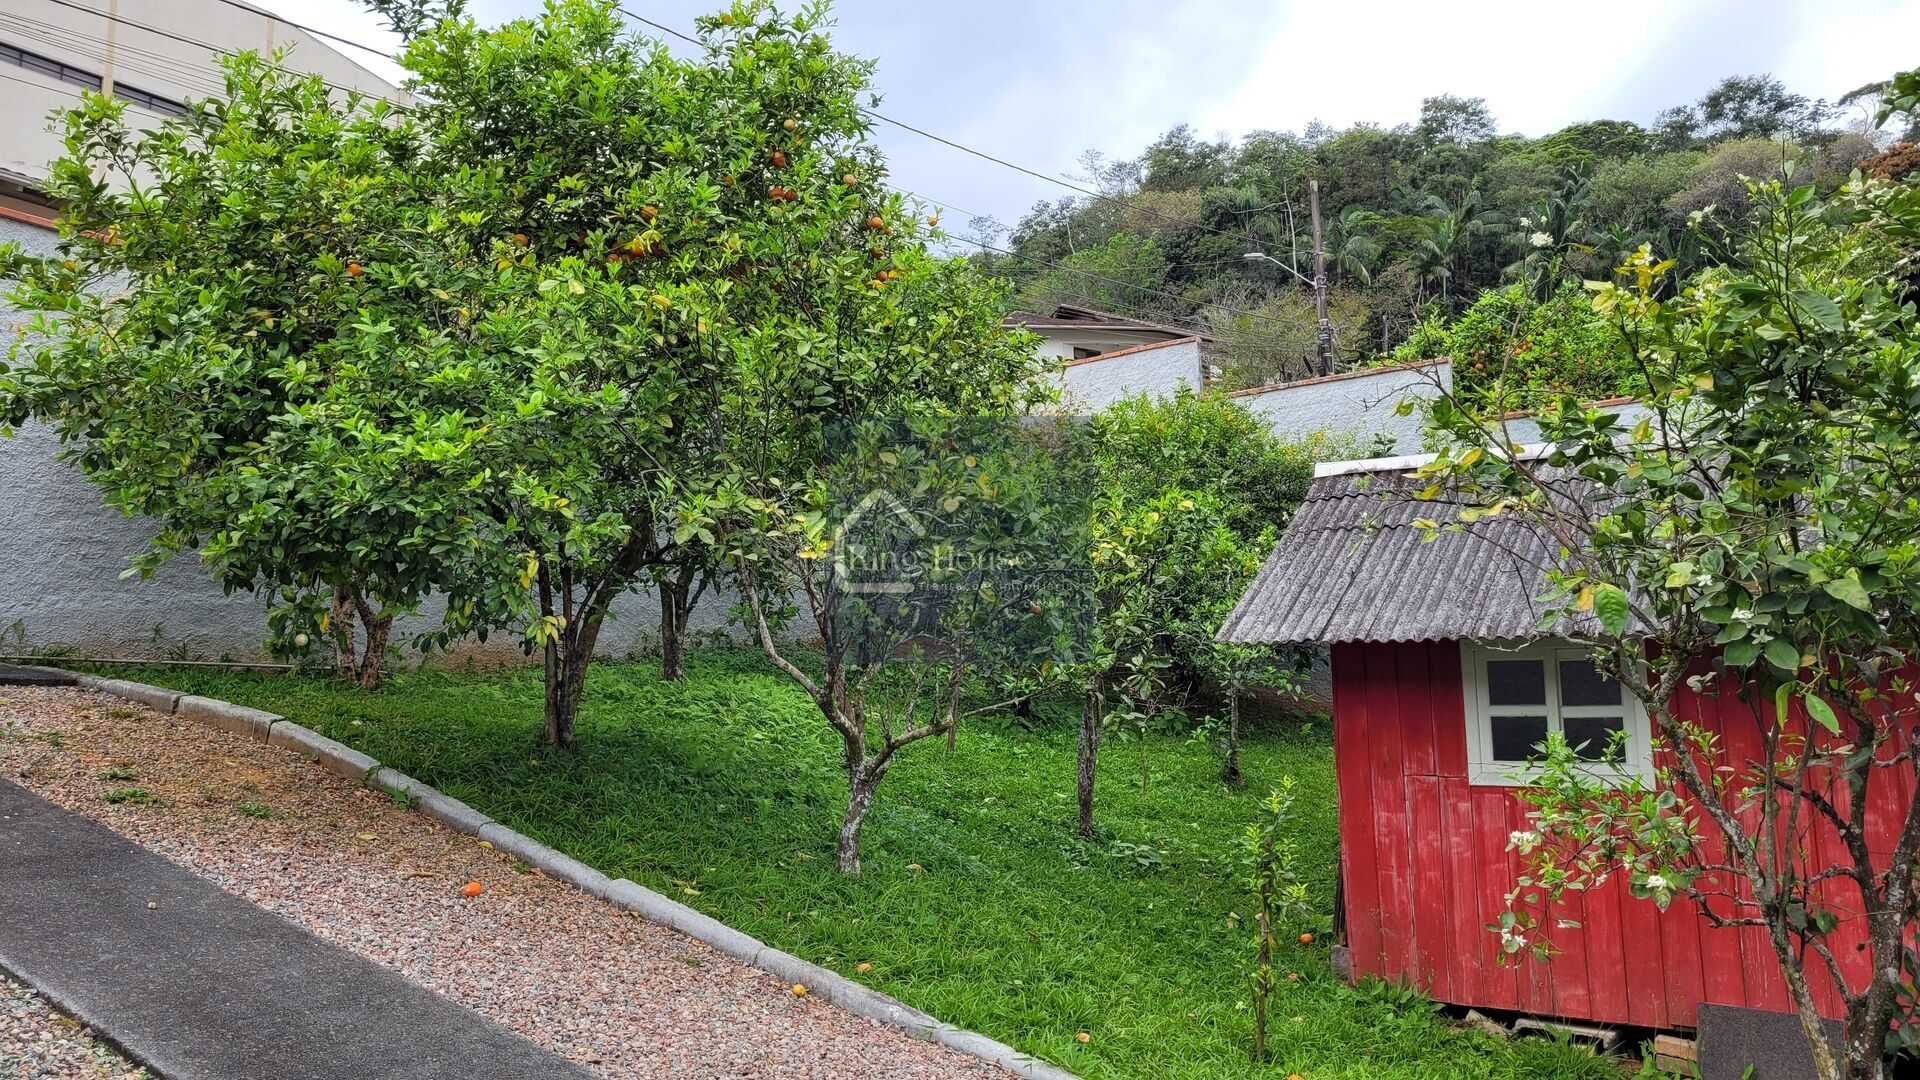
[(1037, 82)]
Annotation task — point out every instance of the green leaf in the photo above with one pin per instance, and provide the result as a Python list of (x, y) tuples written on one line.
[(1783, 654), (1848, 590), (1742, 653), (1821, 712), (1820, 308), (1610, 604)]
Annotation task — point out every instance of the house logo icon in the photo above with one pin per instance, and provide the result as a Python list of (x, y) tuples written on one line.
[(875, 545)]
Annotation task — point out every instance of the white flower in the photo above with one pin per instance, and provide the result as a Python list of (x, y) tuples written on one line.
[(1541, 240), (1656, 882), (1524, 840), (1517, 939), (1743, 615), (1524, 223)]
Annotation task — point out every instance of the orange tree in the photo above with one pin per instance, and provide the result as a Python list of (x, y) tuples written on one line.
[(1755, 537), (236, 341), (694, 267)]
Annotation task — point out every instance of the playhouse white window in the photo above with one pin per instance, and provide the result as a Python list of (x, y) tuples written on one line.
[(1516, 695)]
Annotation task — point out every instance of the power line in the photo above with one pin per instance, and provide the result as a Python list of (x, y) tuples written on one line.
[(125, 56), (183, 39), (314, 30), (1129, 203), (1049, 264)]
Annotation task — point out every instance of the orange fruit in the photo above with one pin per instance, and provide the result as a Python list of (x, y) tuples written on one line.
[(353, 269), (1083, 1036), (472, 888), (876, 222), (790, 123), (864, 968), (799, 990), (1306, 939), (779, 159), (849, 179), (649, 212)]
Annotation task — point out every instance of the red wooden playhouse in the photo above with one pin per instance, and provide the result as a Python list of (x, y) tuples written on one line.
[(1441, 685)]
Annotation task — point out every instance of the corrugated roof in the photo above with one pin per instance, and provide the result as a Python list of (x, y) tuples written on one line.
[(1351, 567), (1069, 317)]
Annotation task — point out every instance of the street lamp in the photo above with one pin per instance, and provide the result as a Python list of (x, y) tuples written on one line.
[(1324, 329)]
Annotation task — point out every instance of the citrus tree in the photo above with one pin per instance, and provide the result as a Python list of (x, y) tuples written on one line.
[(1754, 539), (695, 264), (1194, 490), (235, 339)]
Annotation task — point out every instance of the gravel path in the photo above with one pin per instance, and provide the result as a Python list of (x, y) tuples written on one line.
[(615, 993), (37, 1043)]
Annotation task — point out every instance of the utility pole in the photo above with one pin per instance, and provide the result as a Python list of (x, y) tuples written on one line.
[(1325, 328)]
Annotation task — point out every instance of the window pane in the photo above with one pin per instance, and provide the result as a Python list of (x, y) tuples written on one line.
[(1582, 684), (1515, 738), (1516, 682), (1591, 735)]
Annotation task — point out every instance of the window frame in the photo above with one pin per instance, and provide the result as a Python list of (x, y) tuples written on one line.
[(1484, 771)]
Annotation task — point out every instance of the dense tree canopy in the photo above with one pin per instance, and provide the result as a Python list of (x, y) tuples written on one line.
[(1421, 219)]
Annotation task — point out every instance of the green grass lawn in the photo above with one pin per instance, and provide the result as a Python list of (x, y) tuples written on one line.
[(978, 904)]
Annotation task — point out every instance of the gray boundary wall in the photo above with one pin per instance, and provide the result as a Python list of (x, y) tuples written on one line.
[(1359, 403)]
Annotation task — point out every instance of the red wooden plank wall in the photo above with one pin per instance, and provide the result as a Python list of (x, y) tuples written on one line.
[(1426, 866)]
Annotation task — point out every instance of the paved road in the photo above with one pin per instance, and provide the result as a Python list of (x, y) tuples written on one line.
[(197, 983)]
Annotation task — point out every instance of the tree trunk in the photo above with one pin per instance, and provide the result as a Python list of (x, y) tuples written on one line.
[(372, 664), (1231, 773), (862, 781), (1865, 1052), (341, 625), (673, 629), (379, 627), (1089, 752), (566, 670)]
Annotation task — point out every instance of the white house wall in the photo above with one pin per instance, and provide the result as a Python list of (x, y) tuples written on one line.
[(141, 47), (1361, 403), (1087, 386)]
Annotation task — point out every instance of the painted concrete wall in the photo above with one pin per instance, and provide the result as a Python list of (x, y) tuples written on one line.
[(1061, 343), (141, 49), (1525, 431), (1159, 370), (1360, 403)]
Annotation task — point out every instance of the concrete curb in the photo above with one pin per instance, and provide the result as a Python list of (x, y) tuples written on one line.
[(342, 760)]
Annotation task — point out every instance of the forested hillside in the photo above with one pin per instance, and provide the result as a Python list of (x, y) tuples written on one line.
[(1424, 220)]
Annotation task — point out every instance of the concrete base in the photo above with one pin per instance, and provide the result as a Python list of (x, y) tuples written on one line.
[(14, 675), (1772, 1045)]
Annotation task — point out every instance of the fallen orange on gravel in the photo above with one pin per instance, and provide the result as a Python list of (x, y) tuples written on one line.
[(472, 888), (799, 990)]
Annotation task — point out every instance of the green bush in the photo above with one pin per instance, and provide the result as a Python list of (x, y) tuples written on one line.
[(1511, 353)]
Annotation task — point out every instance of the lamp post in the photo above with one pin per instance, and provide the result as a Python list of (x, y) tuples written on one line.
[(1324, 327)]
